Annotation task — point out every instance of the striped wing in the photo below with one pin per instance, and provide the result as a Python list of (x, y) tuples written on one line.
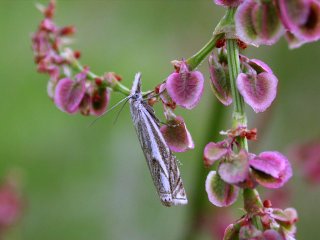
[(161, 162)]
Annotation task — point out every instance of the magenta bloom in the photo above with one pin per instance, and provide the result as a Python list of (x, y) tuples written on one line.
[(257, 22), (259, 90), (235, 169), (215, 151), (228, 3), (271, 169), (177, 135), (302, 20), (185, 88), (220, 193), (69, 94), (293, 13)]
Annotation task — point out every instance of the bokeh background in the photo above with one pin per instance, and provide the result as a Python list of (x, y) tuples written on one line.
[(82, 182)]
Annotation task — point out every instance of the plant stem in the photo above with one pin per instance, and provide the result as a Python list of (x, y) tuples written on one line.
[(118, 87), (251, 197), (196, 59), (239, 115)]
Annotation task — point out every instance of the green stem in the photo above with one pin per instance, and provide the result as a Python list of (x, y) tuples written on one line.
[(239, 115), (117, 87), (251, 198), (194, 61)]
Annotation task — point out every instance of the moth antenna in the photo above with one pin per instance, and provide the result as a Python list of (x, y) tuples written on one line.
[(110, 109), (118, 114)]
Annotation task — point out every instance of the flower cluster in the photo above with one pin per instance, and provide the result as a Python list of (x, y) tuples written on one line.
[(72, 87), (241, 169), (257, 84), (264, 22), (275, 224), (183, 88), (234, 78)]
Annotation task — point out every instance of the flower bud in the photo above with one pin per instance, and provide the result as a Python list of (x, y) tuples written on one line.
[(271, 169), (220, 82)]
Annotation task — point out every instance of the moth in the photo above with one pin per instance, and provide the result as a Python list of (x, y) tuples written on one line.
[(161, 162)]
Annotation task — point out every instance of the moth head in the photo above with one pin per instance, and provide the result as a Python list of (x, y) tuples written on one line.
[(136, 86)]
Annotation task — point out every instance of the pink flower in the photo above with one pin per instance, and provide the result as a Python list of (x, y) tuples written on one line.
[(301, 19), (215, 151), (69, 93), (177, 135), (271, 169), (258, 90), (257, 22), (220, 193), (186, 87), (235, 169)]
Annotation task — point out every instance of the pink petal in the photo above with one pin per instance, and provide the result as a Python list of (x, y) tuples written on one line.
[(266, 23), (236, 169), (185, 88), (244, 22), (228, 3), (259, 66), (293, 13), (271, 169), (214, 152), (85, 105), (271, 163), (68, 94), (258, 91), (310, 30), (166, 99), (177, 135), (219, 76), (293, 41), (220, 193), (257, 22), (99, 101)]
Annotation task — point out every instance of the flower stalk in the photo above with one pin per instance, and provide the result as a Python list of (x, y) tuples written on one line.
[(251, 197)]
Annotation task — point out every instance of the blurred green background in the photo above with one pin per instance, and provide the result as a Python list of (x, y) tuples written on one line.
[(85, 182)]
